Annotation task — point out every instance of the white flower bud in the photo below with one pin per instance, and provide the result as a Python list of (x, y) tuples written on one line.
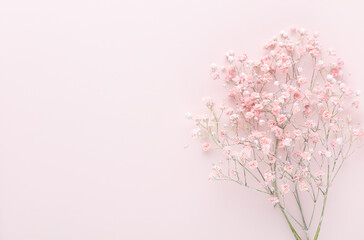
[(188, 116), (284, 34), (261, 122), (302, 31)]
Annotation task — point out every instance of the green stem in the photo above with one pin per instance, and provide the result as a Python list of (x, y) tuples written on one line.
[(289, 223), (300, 207), (324, 204), (321, 218)]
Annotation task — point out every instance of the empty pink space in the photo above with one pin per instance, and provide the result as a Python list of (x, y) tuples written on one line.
[(92, 128)]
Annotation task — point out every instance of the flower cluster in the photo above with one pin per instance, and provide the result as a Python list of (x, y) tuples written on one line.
[(285, 128)]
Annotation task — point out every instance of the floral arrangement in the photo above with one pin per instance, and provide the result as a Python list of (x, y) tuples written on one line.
[(285, 130)]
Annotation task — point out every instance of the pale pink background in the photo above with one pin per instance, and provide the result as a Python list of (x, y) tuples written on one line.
[(92, 128)]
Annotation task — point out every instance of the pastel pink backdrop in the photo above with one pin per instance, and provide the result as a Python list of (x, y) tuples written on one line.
[(92, 128)]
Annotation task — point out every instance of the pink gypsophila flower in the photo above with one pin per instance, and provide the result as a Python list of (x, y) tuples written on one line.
[(281, 119), (206, 147), (326, 115), (285, 188), (274, 200), (253, 164)]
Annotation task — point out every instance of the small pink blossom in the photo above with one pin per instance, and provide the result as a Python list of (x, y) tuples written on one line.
[(325, 153), (208, 101), (308, 108), (334, 127), (309, 123), (196, 132), (295, 108), (301, 80), (271, 123), (227, 150), (319, 174), (253, 164), (271, 159), (277, 131), (274, 200), (269, 176), (335, 100), (285, 188), (249, 115), (266, 149), (234, 117), (215, 76), (303, 186), (246, 152), (326, 115), (358, 132), (206, 146), (333, 143), (297, 132), (288, 168), (222, 106), (229, 111), (314, 137), (281, 119), (276, 110), (265, 141), (356, 104), (222, 133), (287, 142), (306, 156)]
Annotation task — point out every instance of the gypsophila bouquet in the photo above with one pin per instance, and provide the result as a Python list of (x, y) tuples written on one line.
[(285, 130)]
